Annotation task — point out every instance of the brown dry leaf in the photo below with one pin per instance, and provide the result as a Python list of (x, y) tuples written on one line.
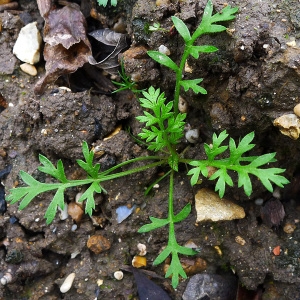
[(65, 26), (67, 46), (60, 61)]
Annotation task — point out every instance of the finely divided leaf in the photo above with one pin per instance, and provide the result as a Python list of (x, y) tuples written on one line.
[(226, 14), (87, 165), (49, 168), (195, 50), (58, 200), (163, 60), (156, 223), (244, 180), (215, 149), (182, 29), (200, 167), (223, 179), (193, 84), (88, 195)]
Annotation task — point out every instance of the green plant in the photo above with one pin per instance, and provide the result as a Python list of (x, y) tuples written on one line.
[(104, 2), (164, 128)]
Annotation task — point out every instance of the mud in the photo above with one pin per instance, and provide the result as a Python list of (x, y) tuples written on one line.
[(251, 80)]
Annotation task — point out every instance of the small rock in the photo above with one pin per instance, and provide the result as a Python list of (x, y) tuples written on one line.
[(139, 261), (28, 69), (98, 244), (238, 239), (75, 211), (210, 207), (67, 284), (119, 275), (288, 125), (210, 286), (297, 110), (289, 228), (27, 46)]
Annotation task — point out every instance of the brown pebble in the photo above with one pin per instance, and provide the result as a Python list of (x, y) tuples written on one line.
[(2, 152), (75, 211), (289, 228), (98, 244)]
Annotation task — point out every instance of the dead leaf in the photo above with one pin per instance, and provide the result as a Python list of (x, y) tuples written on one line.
[(110, 38), (67, 46), (60, 61), (65, 26)]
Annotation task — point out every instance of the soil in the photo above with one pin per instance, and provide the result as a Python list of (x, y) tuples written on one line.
[(252, 79)]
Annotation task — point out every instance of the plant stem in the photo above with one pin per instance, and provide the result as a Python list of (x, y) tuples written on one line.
[(179, 75)]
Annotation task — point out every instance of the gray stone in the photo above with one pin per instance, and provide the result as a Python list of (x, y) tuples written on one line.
[(210, 286)]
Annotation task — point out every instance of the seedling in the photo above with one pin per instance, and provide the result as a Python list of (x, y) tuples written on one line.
[(164, 129), (104, 2)]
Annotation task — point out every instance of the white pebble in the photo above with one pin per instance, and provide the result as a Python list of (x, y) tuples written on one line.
[(182, 105), (192, 135), (67, 284), (74, 227), (27, 46), (142, 248), (28, 69), (7, 278), (118, 275), (63, 213), (163, 49)]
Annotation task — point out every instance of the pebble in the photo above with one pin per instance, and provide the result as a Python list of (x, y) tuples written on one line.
[(289, 228), (239, 240), (210, 286), (288, 125), (119, 275), (210, 207), (297, 110), (27, 46), (28, 69), (192, 135), (67, 284), (63, 212), (182, 105), (98, 244), (139, 261), (142, 248), (163, 49), (75, 211)]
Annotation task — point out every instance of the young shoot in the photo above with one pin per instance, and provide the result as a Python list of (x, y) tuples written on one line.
[(163, 130)]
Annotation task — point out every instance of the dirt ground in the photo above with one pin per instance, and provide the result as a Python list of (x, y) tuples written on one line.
[(252, 79)]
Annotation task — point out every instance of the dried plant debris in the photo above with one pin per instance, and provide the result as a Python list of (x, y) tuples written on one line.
[(116, 42), (67, 46)]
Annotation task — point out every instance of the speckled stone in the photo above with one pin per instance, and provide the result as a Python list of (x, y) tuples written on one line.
[(98, 244), (210, 207)]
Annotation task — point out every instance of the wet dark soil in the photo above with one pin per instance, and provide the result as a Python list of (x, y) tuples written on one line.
[(251, 80)]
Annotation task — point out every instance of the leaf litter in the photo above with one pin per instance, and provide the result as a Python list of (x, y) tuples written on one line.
[(67, 47)]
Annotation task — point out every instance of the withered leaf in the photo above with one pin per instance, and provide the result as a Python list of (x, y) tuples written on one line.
[(109, 38), (67, 46), (65, 26), (60, 61)]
